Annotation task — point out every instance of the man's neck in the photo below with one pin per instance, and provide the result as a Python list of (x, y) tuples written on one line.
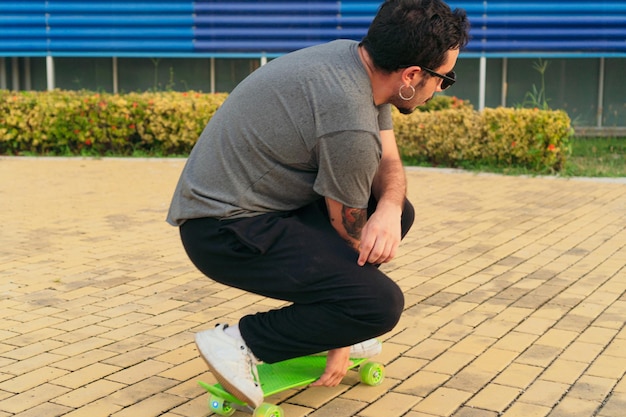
[(382, 85)]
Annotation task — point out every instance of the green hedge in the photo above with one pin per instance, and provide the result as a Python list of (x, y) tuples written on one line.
[(446, 132), (87, 123), (537, 140)]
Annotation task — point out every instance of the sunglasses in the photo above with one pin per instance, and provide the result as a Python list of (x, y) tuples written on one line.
[(448, 79)]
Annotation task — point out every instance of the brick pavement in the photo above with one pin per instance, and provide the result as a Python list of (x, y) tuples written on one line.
[(515, 299)]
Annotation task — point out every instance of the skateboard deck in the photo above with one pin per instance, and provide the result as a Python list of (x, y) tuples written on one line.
[(281, 376)]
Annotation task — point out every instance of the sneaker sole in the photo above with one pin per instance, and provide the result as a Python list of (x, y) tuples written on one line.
[(224, 382)]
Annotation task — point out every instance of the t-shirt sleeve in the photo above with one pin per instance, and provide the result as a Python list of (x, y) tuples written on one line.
[(347, 163), (384, 117)]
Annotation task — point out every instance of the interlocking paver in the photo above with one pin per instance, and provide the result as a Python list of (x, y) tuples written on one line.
[(494, 397), (515, 298), (545, 393)]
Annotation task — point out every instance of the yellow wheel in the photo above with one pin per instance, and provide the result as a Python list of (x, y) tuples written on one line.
[(372, 373), (269, 410), (220, 406)]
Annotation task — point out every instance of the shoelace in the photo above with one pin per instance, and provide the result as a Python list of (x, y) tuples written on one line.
[(250, 364)]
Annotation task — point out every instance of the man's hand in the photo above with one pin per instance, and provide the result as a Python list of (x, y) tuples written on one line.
[(381, 236), (375, 239), (337, 363)]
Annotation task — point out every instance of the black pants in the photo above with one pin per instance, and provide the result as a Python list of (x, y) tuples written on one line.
[(297, 257)]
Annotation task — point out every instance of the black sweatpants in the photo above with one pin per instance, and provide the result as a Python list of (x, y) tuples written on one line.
[(297, 257)]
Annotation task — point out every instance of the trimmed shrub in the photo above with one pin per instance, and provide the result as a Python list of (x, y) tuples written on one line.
[(445, 132), (80, 122), (537, 140)]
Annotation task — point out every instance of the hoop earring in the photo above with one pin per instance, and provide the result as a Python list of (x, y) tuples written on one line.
[(407, 98)]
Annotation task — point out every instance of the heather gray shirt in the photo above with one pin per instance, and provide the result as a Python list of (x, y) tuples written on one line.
[(299, 128)]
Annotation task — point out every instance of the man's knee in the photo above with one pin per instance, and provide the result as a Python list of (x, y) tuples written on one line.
[(408, 216), (389, 305)]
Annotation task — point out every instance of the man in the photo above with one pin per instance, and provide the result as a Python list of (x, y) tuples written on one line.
[(295, 190)]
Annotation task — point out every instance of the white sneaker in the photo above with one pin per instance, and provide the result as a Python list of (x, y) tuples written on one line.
[(363, 350), (232, 364), (366, 349)]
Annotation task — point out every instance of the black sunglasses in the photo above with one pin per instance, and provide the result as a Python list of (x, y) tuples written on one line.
[(448, 79)]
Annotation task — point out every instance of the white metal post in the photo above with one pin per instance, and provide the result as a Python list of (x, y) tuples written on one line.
[(482, 83), (15, 74), (600, 93), (115, 79), (28, 82), (212, 74), (505, 82), (3, 73), (50, 72)]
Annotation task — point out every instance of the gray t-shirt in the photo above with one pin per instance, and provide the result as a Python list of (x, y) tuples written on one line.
[(301, 127)]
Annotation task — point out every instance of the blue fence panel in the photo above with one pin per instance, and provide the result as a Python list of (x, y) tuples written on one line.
[(117, 27), (23, 28), (550, 26), (509, 27), (274, 27), (105, 28), (264, 26)]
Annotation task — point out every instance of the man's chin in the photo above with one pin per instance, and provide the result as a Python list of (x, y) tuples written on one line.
[(406, 110)]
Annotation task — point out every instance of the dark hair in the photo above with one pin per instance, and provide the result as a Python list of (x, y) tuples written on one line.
[(415, 32)]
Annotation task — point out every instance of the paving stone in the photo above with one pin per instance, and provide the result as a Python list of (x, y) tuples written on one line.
[(494, 397)]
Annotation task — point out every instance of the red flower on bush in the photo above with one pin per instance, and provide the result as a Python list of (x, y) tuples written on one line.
[(551, 148), (88, 142)]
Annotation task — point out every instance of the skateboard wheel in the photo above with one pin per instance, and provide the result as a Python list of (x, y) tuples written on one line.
[(269, 410), (220, 406), (372, 373)]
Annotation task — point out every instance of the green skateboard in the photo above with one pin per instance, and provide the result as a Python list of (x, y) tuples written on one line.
[(281, 376)]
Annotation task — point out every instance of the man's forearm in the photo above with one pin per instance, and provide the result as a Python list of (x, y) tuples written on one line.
[(389, 186), (347, 221)]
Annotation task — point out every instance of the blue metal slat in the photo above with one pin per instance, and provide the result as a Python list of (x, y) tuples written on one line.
[(274, 33), (550, 33), (23, 21), (100, 7), (22, 33), (551, 21), (8, 47), (556, 8), (23, 7), (114, 46), (265, 21), (551, 46), (283, 46), (119, 21), (256, 8), (121, 33)]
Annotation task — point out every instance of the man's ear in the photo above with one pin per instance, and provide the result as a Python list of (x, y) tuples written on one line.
[(410, 73)]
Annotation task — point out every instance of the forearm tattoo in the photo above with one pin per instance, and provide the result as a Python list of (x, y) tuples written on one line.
[(353, 221)]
